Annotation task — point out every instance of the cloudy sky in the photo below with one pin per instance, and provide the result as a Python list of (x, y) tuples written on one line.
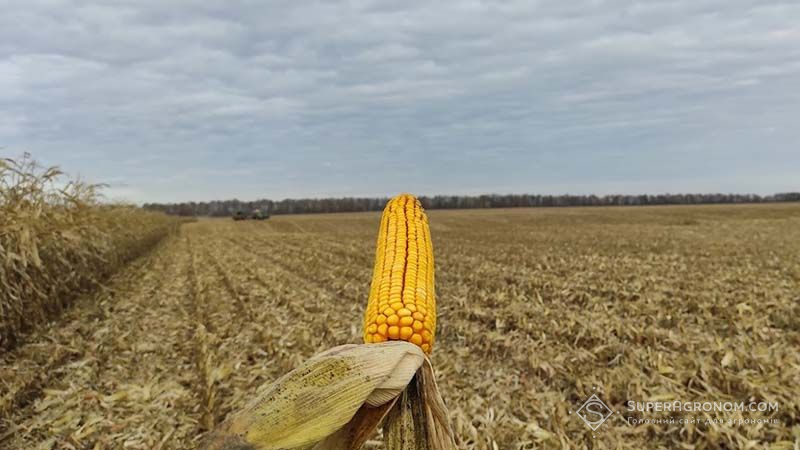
[(182, 100)]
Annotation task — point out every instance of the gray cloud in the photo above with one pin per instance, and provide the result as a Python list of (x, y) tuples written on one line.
[(196, 100)]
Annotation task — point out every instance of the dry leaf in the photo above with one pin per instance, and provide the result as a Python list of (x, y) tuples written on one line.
[(318, 398)]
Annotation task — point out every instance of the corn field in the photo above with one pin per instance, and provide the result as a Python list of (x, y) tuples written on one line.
[(57, 240), (536, 308)]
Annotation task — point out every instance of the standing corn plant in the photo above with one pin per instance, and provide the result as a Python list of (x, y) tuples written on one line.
[(58, 239), (339, 398)]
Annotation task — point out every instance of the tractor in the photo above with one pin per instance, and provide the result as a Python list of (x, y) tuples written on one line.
[(259, 215)]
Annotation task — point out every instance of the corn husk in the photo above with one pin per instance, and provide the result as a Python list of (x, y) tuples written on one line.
[(419, 418), (335, 400)]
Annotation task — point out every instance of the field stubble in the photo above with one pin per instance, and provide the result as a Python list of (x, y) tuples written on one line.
[(536, 307)]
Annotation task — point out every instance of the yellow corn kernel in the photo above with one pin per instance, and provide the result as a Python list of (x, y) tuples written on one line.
[(402, 300)]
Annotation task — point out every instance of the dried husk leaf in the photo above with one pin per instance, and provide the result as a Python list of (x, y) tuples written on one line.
[(360, 428), (419, 419), (317, 399), (406, 427), (439, 432)]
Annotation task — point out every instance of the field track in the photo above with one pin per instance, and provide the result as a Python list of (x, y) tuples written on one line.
[(536, 307)]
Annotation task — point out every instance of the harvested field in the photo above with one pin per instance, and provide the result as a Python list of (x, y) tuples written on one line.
[(536, 308)]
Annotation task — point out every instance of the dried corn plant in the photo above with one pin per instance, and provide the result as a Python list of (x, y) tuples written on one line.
[(57, 240)]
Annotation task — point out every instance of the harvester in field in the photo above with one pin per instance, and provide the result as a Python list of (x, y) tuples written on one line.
[(259, 215)]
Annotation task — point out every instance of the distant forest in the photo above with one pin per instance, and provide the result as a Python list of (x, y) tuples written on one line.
[(222, 208)]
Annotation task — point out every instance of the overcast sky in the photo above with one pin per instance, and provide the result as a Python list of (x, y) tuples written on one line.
[(180, 100)]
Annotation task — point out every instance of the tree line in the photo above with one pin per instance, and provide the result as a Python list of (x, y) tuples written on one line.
[(223, 208)]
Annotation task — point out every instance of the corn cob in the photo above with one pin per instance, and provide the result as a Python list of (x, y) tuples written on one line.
[(402, 301)]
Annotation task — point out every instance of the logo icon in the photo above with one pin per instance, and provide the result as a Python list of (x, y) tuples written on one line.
[(594, 412)]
